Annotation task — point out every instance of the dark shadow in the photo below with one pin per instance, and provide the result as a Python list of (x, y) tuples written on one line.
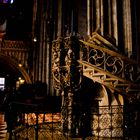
[(29, 98), (83, 102)]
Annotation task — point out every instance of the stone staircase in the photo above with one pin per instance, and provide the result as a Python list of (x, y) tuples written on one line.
[(103, 63), (99, 60), (3, 126)]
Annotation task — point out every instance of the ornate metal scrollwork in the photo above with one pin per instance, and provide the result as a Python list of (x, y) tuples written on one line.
[(56, 62), (105, 64), (131, 72), (109, 61), (113, 64), (96, 57), (64, 64)]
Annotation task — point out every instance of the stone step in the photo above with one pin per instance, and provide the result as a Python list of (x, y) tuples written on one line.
[(3, 126)]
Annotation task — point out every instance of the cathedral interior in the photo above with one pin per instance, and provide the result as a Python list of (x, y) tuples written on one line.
[(69, 69)]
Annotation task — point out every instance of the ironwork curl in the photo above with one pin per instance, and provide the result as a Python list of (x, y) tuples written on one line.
[(114, 64), (109, 61), (96, 57), (131, 72)]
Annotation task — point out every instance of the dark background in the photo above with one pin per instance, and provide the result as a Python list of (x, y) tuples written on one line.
[(19, 18)]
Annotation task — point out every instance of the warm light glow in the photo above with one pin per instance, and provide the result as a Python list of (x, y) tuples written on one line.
[(35, 39), (17, 84), (49, 117), (19, 78), (21, 81), (20, 65)]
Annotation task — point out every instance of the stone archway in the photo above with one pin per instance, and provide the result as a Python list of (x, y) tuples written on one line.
[(9, 65)]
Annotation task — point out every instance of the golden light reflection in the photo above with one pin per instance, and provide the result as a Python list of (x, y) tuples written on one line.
[(31, 118), (20, 65)]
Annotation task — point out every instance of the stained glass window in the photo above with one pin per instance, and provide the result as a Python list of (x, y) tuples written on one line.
[(6, 1)]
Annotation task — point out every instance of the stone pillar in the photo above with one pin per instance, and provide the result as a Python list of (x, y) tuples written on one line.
[(59, 25), (44, 54), (88, 17), (98, 14), (109, 18), (34, 19), (102, 17), (127, 25), (114, 21), (43, 26), (34, 39), (48, 63), (40, 64), (37, 39)]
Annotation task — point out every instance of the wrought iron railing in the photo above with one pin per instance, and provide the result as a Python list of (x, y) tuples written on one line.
[(98, 53), (97, 123), (97, 58), (47, 127)]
